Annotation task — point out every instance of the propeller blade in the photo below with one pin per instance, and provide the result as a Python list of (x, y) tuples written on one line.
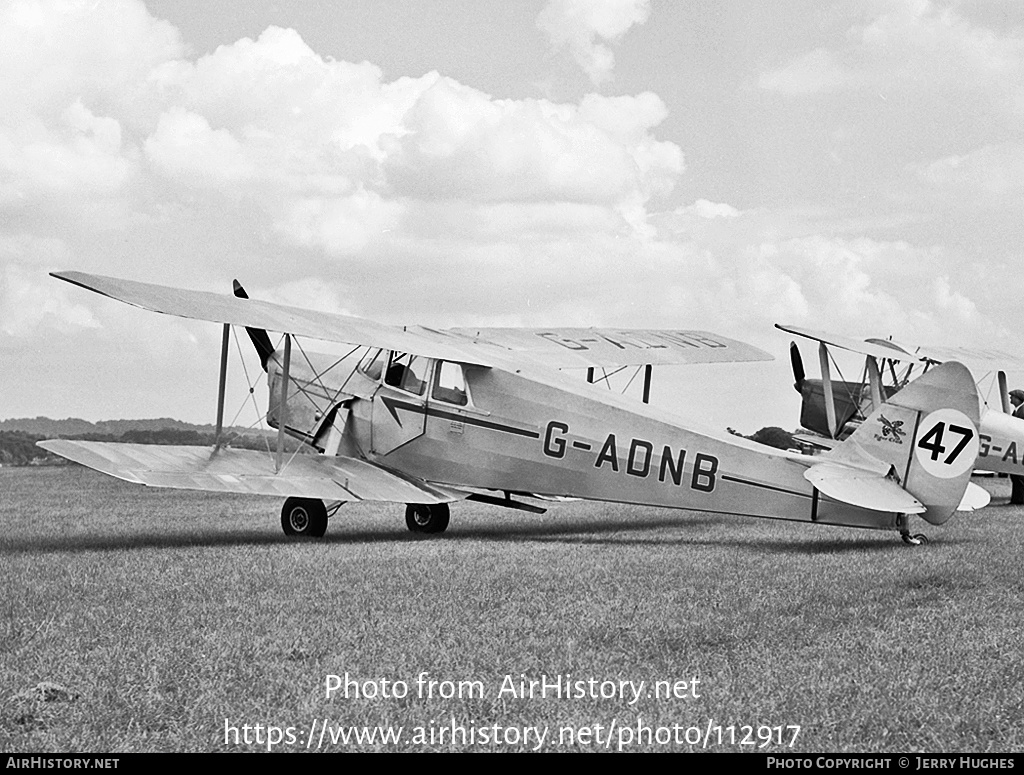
[(260, 339), (798, 366)]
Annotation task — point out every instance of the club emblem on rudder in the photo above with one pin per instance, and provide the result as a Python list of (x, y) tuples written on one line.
[(892, 429)]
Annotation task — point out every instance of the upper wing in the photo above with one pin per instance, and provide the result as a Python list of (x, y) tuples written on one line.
[(977, 359), (221, 308), (250, 472), (554, 347), (876, 348), (610, 347)]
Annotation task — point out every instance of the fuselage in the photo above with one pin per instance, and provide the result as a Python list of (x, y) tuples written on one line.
[(1002, 442), (533, 431)]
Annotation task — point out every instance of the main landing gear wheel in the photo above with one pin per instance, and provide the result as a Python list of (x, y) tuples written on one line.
[(304, 517), (914, 540), (427, 518)]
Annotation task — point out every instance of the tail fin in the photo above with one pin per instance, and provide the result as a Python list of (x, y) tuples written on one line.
[(924, 438), (260, 339)]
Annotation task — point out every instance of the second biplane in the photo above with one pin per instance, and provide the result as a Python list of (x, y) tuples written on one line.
[(427, 417), (833, 408)]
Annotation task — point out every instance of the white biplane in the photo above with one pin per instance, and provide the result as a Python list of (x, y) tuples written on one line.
[(427, 418), (834, 408)]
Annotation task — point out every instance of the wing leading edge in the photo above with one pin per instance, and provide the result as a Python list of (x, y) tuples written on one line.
[(249, 472), (557, 348), (252, 313), (977, 359)]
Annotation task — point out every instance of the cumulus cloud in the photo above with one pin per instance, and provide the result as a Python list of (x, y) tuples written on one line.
[(937, 79), (28, 299), (460, 144), (264, 159), (912, 44), (102, 104), (586, 27), (267, 160), (76, 153), (184, 147), (343, 225), (952, 302), (991, 173), (54, 52), (702, 208)]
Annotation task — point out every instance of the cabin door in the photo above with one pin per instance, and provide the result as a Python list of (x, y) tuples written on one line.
[(400, 403)]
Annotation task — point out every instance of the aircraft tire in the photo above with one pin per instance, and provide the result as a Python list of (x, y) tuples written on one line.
[(305, 517), (427, 518), (914, 540)]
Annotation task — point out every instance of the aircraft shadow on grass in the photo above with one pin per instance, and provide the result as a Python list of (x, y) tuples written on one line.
[(605, 532)]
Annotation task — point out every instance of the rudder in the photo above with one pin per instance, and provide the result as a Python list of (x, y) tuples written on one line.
[(925, 437)]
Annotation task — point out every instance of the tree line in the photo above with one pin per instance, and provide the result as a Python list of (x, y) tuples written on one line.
[(18, 448)]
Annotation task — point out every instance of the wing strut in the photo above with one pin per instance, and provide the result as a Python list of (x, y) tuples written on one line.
[(826, 379), (875, 379), (221, 385), (1004, 396), (647, 383), (282, 418)]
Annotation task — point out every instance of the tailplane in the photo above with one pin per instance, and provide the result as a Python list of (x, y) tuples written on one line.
[(923, 440)]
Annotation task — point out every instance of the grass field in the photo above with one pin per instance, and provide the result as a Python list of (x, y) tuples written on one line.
[(136, 619)]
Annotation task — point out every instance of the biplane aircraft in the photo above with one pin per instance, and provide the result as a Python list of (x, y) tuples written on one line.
[(431, 417), (834, 408)]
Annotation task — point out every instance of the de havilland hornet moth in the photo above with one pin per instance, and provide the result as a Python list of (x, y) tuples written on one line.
[(431, 417), (833, 408)]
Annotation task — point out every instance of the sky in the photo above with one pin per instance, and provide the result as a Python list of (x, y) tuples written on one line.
[(854, 166)]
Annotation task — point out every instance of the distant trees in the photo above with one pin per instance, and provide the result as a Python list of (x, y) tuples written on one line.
[(18, 448)]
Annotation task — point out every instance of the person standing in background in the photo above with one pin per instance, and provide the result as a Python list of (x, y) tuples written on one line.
[(1016, 480)]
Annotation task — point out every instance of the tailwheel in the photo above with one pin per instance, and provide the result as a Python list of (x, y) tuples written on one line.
[(304, 517), (914, 540), (427, 517)]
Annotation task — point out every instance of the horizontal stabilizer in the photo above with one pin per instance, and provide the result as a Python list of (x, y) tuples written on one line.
[(975, 498), (249, 471), (861, 487)]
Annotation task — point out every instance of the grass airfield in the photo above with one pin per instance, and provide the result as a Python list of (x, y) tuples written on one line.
[(136, 619)]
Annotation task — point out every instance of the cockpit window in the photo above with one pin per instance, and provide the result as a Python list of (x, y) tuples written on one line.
[(450, 384), (407, 372), (373, 363)]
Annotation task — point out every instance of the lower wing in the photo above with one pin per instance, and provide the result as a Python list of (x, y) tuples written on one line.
[(250, 472)]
